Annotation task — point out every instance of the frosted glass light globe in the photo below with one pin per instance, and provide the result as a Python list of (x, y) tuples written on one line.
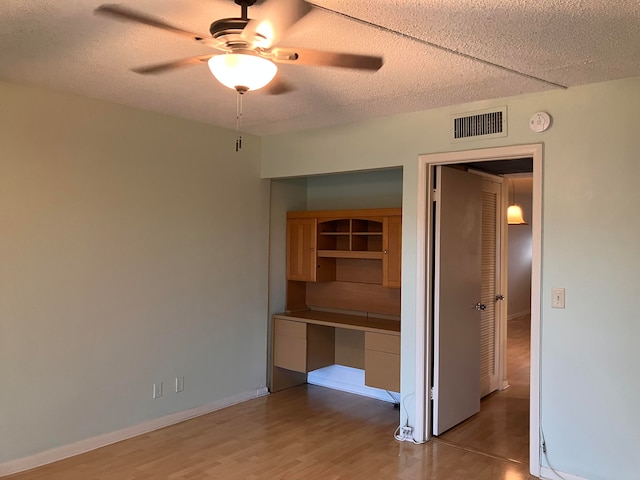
[(242, 71)]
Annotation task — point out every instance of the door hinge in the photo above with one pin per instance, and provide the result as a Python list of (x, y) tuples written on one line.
[(435, 195), (432, 394)]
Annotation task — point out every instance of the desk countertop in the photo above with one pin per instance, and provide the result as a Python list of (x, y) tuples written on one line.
[(342, 320)]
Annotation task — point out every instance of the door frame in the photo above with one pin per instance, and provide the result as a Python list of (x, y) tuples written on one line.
[(423, 304)]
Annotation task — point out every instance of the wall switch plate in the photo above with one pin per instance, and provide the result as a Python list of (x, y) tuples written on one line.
[(157, 390), (179, 384), (557, 298)]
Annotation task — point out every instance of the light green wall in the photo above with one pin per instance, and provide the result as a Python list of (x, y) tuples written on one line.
[(371, 189), (134, 249), (589, 354), (286, 195)]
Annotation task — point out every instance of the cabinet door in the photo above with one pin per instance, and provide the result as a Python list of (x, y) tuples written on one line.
[(392, 251), (301, 249)]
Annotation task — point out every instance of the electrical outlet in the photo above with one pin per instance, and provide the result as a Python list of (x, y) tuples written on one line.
[(157, 390), (406, 433), (179, 384)]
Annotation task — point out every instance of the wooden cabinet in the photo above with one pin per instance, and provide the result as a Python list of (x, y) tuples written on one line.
[(318, 241), (392, 251), (303, 263), (343, 272), (382, 361), (301, 249), (302, 347)]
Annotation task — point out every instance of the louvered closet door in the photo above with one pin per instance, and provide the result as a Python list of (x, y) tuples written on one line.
[(490, 276)]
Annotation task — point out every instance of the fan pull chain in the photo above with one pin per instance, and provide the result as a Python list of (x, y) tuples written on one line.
[(239, 120)]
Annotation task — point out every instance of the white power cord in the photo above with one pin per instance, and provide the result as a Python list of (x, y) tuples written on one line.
[(546, 457), (404, 433)]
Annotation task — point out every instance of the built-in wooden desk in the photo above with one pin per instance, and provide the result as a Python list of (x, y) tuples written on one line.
[(305, 341)]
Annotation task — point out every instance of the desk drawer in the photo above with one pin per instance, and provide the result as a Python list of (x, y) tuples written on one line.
[(382, 361), (382, 370), (290, 353), (288, 328), (382, 343), (302, 347)]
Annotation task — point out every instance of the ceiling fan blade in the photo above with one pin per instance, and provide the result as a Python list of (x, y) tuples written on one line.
[(163, 67), (303, 56), (277, 17), (122, 13)]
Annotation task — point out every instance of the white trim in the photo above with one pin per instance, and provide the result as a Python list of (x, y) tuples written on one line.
[(518, 314), (547, 473), (536, 317), (83, 446), (423, 335), (422, 427)]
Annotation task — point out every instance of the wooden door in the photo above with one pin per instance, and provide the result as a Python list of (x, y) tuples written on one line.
[(457, 285), (490, 294), (391, 251), (301, 249)]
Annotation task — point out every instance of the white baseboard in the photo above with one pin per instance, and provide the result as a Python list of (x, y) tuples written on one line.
[(548, 474), (518, 314), (66, 451), (350, 380)]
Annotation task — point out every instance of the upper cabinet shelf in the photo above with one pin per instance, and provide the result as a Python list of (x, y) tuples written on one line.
[(349, 254), (358, 236), (316, 238)]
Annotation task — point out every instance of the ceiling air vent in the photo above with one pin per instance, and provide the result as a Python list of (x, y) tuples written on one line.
[(476, 125)]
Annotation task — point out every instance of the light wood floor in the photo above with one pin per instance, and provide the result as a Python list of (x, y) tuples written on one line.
[(304, 433), (502, 426)]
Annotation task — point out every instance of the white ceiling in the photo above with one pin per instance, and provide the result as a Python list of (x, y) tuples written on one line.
[(61, 44)]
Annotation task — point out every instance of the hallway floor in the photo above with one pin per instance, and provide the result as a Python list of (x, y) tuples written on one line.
[(502, 426)]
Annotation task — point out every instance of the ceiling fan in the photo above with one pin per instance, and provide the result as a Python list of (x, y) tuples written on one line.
[(247, 50)]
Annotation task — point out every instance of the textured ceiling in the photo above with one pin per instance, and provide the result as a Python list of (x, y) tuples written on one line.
[(61, 44)]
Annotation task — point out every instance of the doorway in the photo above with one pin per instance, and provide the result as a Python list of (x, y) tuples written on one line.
[(424, 304), (501, 427)]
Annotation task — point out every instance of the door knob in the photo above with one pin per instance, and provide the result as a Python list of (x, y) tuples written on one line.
[(480, 306)]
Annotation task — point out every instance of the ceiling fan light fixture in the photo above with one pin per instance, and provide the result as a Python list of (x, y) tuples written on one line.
[(242, 71)]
